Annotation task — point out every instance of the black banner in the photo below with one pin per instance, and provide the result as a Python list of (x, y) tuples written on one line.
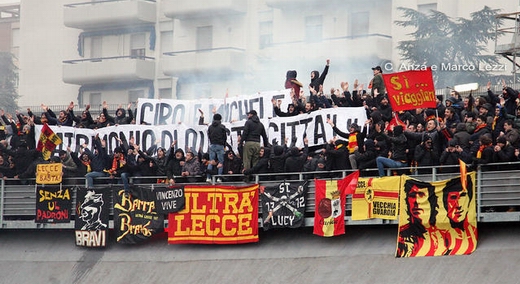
[(169, 199), (283, 205), (135, 215), (53, 204), (92, 215)]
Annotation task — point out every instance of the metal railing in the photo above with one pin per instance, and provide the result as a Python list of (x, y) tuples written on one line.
[(497, 186)]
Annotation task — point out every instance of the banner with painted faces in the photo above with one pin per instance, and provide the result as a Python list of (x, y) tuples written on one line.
[(437, 218)]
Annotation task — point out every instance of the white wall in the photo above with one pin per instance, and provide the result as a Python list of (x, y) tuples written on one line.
[(44, 43)]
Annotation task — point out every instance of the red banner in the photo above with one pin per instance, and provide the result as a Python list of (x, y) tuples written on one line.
[(216, 215), (331, 196), (410, 89)]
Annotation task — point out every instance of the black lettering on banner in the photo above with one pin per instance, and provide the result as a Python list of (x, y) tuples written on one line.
[(275, 128), (243, 109), (167, 137), (112, 141), (319, 131), (334, 119), (148, 135), (276, 98), (179, 114), (191, 143), (163, 115), (142, 115), (349, 121), (233, 106)]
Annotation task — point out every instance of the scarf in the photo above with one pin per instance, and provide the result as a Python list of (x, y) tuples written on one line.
[(479, 127), (87, 164), (352, 142), (495, 119), (116, 163), (480, 150)]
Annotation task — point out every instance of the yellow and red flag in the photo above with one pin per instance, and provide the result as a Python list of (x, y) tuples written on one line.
[(47, 142), (376, 198), (394, 122), (330, 199)]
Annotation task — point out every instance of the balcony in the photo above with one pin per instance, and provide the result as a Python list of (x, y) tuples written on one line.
[(90, 15), (222, 60), (293, 4), (341, 48), (180, 9), (108, 70)]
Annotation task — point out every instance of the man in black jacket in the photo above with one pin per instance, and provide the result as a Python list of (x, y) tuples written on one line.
[(217, 134), (253, 130)]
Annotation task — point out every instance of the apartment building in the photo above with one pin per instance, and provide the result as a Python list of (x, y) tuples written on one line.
[(121, 50)]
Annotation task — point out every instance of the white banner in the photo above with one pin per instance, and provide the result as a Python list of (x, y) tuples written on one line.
[(168, 111), (314, 126)]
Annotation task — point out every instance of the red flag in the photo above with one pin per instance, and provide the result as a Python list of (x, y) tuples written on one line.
[(394, 122), (410, 89), (47, 142), (331, 196)]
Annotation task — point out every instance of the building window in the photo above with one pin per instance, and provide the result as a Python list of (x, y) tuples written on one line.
[(137, 45), (204, 38), (166, 41), (427, 8), (313, 28), (96, 47), (266, 34), (165, 93), (95, 99), (203, 90), (359, 23), (133, 95)]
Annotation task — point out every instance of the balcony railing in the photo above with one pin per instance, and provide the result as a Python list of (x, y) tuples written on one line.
[(108, 69), (189, 9), (89, 15), (225, 59), (495, 188)]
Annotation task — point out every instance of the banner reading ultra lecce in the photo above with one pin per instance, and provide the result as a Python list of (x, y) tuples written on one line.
[(216, 215)]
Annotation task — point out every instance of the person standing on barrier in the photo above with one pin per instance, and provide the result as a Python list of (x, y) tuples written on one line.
[(217, 134), (253, 130)]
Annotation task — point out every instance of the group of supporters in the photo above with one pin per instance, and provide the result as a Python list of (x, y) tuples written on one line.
[(476, 130)]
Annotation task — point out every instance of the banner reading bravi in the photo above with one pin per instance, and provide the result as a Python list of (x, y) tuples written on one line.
[(216, 215)]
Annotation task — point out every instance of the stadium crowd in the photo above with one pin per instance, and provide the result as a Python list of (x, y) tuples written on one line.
[(477, 130)]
